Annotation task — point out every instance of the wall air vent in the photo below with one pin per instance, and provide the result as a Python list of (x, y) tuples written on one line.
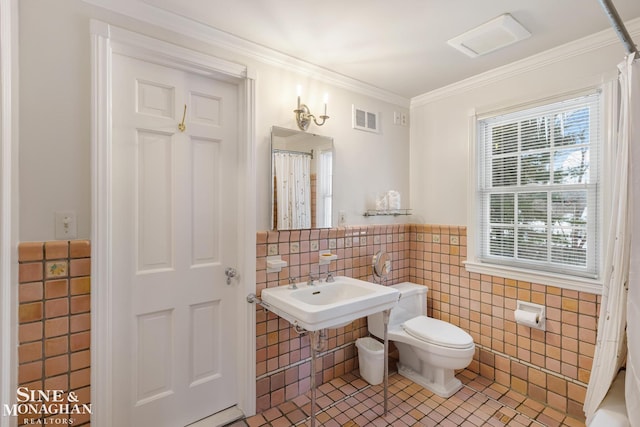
[(495, 34)]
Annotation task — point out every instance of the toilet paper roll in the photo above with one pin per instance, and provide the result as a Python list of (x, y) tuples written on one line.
[(527, 318)]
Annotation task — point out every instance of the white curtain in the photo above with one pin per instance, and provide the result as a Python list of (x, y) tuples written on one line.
[(293, 188), (632, 381), (611, 346)]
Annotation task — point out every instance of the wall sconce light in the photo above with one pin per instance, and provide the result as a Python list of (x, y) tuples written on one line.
[(304, 116)]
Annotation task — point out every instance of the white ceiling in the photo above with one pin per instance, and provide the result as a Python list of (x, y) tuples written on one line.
[(398, 45)]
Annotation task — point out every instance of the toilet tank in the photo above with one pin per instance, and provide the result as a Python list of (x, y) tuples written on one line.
[(412, 303)]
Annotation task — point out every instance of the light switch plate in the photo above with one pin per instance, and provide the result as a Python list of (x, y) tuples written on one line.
[(65, 225), (342, 218)]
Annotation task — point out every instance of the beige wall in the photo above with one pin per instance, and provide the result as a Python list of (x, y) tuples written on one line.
[(55, 122), (55, 97), (440, 122)]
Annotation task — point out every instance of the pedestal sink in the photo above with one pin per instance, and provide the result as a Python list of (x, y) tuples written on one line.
[(328, 305), (312, 308)]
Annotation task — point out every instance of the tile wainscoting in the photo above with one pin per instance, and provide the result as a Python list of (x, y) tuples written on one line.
[(54, 324), (283, 357), (552, 367)]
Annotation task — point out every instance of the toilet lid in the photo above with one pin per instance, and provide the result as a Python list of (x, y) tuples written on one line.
[(437, 332)]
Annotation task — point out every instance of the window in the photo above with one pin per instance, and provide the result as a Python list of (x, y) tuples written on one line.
[(538, 188)]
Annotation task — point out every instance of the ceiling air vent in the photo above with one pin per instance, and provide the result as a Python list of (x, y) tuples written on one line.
[(495, 34)]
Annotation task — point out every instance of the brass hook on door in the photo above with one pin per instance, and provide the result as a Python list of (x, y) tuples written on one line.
[(181, 125)]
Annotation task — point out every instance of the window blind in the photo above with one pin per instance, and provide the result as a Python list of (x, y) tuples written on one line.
[(538, 187)]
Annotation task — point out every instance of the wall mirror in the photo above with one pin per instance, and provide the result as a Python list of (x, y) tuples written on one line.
[(301, 179), (381, 266)]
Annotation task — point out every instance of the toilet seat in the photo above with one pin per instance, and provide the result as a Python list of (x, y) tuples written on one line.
[(437, 332)]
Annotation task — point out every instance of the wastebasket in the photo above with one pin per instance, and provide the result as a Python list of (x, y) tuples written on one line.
[(371, 359)]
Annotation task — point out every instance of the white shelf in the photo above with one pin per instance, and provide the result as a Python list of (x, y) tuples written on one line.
[(275, 264)]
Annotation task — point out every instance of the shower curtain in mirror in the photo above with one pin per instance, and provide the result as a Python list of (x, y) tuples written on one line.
[(620, 284), (293, 189)]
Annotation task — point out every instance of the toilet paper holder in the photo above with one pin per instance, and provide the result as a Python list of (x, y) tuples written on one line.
[(530, 314)]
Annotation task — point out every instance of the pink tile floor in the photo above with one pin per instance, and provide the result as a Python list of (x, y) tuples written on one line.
[(349, 401)]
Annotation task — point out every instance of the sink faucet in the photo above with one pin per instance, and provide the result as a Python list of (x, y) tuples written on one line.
[(311, 282), (330, 278), (292, 283)]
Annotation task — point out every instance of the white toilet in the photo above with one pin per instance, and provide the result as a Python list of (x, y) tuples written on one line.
[(430, 349)]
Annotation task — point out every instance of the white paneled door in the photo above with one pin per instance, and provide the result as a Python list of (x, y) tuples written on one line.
[(174, 238)]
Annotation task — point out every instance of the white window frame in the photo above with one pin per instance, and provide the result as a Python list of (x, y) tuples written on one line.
[(324, 191), (565, 281)]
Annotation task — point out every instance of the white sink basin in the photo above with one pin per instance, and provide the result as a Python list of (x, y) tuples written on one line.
[(329, 305)]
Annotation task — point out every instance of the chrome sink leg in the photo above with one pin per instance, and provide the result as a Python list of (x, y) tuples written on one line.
[(314, 337), (385, 320)]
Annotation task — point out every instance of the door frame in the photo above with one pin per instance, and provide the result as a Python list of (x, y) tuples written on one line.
[(105, 41), (8, 205)]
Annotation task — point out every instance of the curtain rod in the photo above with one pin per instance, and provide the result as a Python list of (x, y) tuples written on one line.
[(278, 150), (618, 26)]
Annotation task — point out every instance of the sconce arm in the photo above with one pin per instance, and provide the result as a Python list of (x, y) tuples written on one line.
[(323, 117), (304, 117)]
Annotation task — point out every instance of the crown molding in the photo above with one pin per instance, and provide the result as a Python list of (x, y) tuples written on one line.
[(187, 27), (563, 52)]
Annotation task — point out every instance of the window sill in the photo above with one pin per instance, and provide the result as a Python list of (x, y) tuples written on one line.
[(565, 282)]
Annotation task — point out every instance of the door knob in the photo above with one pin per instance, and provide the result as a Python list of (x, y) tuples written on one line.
[(230, 272)]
